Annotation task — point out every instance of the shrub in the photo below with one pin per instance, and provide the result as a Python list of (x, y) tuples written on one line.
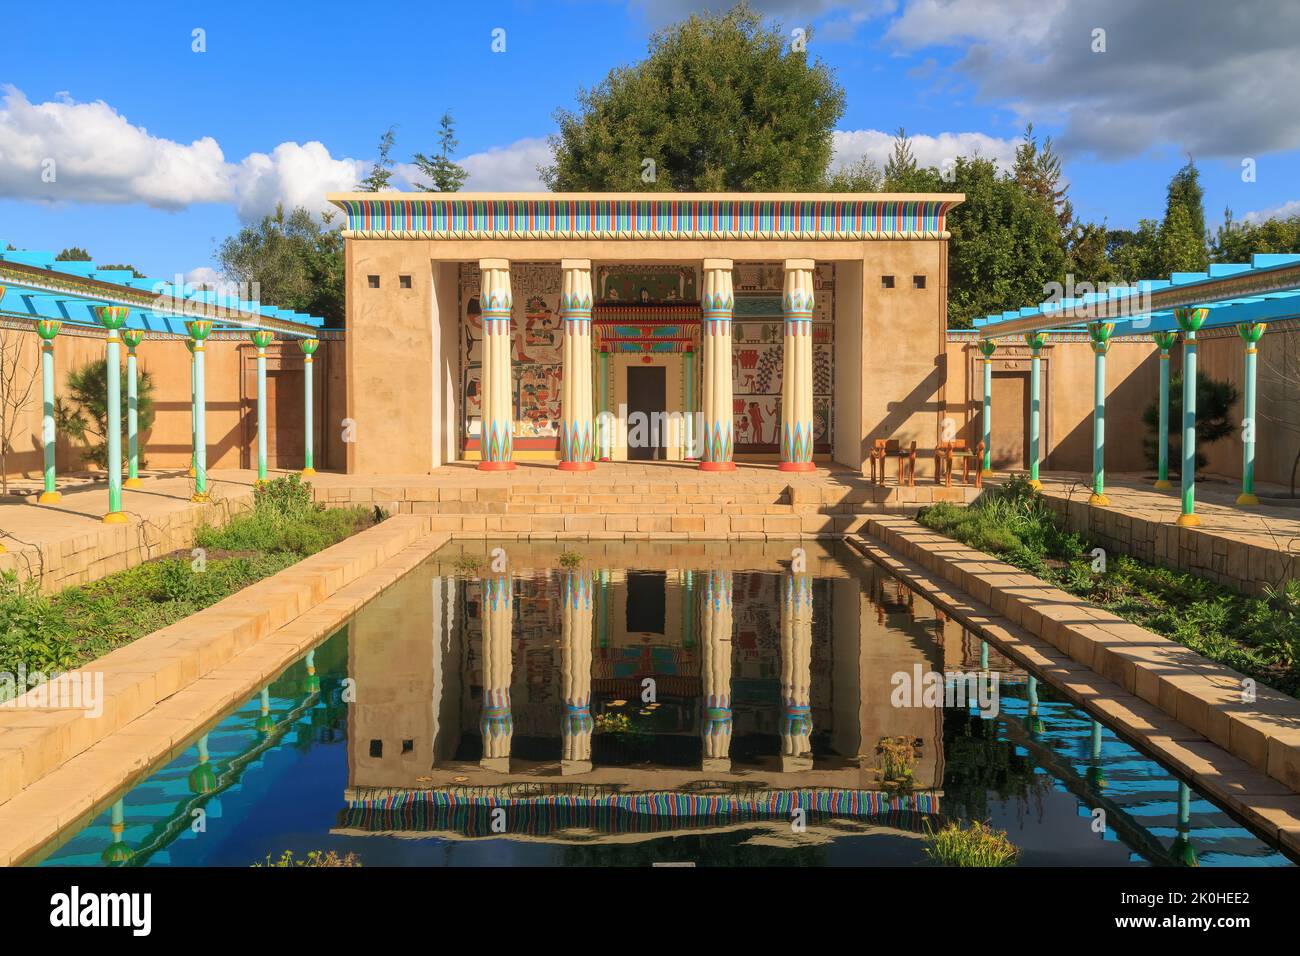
[(977, 845), (314, 858), (83, 414)]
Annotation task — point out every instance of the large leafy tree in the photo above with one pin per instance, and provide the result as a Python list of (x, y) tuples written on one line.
[(721, 103), (1181, 244), (295, 260)]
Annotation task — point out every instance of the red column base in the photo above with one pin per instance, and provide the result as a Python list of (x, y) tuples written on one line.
[(796, 466), (496, 466), (717, 466), (577, 466)]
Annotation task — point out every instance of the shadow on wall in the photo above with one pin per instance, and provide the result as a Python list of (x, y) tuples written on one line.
[(1126, 400)]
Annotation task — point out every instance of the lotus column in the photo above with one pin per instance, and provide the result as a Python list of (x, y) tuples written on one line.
[(1190, 321), (576, 664), (987, 347), (497, 424), (199, 330), (796, 672), (1164, 341), (715, 671), (194, 414), (308, 347), (261, 338), (716, 305), (113, 318), (132, 338), (1251, 333), (1099, 333), (797, 368), (496, 724), (576, 451), (1035, 341), (47, 329)]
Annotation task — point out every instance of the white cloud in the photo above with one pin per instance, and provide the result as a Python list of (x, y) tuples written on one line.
[(500, 169), (203, 276), (68, 151), (293, 174), (851, 145), (1284, 211)]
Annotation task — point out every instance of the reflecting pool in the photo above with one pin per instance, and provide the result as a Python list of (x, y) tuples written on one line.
[(552, 703)]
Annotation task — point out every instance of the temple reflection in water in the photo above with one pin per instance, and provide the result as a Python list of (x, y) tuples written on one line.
[(696, 688)]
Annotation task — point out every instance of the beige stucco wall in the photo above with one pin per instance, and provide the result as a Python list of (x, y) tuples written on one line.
[(231, 387)]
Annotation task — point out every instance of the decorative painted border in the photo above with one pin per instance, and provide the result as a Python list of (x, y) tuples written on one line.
[(673, 218)]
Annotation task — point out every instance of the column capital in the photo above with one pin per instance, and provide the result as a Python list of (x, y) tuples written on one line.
[(494, 264), (808, 265), (710, 264), (567, 264)]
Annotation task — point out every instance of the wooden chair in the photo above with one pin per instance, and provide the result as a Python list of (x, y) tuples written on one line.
[(883, 449), (907, 464), (945, 455)]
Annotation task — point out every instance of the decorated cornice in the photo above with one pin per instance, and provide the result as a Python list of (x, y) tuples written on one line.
[(737, 216)]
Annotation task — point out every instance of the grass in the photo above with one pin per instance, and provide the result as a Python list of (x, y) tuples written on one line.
[(313, 858), (1258, 636), (975, 845), (41, 632)]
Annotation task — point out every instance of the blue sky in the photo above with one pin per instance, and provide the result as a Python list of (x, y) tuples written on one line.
[(160, 151)]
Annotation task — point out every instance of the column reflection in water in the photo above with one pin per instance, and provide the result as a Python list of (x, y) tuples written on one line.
[(715, 671), (576, 664), (796, 672), (496, 725)]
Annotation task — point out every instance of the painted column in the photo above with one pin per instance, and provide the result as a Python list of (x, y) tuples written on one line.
[(1035, 341), (1100, 333), (987, 347), (796, 672), (261, 338), (47, 329), (117, 852), (797, 370), (113, 318), (312, 684), (576, 673), (203, 778), (576, 451), (1251, 333), (1190, 321), (265, 722), (1164, 341), (194, 412), (309, 347), (497, 425), (604, 423), (688, 406), (497, 725), (715, 671), (132, 338), (716, 304), (199, 330)]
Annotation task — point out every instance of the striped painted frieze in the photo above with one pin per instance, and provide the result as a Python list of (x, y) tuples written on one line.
[(559, 217)]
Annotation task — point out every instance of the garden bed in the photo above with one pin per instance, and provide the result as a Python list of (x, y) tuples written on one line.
[(57, 632), (1258, 636)]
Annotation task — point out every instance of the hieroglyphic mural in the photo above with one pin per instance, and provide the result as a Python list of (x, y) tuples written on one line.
[(758, 352)]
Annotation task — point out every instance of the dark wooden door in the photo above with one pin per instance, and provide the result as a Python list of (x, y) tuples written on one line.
[(647, 393)]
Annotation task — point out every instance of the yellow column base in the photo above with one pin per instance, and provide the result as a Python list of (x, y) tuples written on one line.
[(116, 517), (200, 497), (3, 549), (133, 483), (309, 472), (49, 498), (1246, 500), (1035, 484), (192, 473), (1163, 484), (1098, 500), (986, 473), (1188, 521)]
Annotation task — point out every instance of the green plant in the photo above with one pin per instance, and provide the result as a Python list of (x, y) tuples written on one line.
[(314, 858), (570, 559), (1214, 401), (468, 563), (977, 845), (82, 413), (897, 762)]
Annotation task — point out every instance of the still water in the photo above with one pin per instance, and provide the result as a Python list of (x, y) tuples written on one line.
[(658, 702)]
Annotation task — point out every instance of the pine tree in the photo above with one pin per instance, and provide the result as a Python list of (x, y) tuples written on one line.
[(1182, 234), (445, 176), (900, 170), (382, 171), (1038, 170)]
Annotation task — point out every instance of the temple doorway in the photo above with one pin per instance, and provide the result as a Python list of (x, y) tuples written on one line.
[(647, 394)]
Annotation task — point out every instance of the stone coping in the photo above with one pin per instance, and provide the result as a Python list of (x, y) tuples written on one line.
[(1175, 703), (57, 762)]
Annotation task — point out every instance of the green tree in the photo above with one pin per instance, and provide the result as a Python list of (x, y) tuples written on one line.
[(861, 176), (1086, 252), (1038, 171), (294, 260), (82, 413), (444, 175), (1214, 401), (720, 103), (1238, 241), (73, 254), (1135, 253), (1181, 244), (132, 269), (382, 171)]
